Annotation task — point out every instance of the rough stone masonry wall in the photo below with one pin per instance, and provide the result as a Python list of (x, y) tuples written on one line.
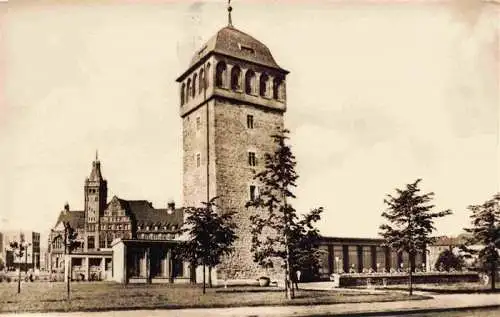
[(233, 140), (195, 141)]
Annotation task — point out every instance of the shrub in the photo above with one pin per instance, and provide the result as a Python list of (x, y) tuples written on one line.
[(449, 261)]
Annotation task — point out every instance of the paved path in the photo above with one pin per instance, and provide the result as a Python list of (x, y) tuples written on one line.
[(451, 301)]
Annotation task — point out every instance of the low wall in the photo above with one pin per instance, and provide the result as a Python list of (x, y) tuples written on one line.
[(402, 278)]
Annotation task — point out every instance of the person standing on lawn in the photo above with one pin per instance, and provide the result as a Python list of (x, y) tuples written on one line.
[(297, 279)]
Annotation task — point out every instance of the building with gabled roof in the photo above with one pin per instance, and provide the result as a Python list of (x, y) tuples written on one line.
[(101, 223)]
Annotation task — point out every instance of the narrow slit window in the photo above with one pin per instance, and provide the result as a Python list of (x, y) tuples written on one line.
[(198, 123), (251, 159), (253, 192), (249, 121)]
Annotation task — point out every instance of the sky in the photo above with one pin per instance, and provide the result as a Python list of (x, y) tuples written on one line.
[(379, 94)]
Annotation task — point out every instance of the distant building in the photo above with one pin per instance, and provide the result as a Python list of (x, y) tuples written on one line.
[(363, 255), (454, 244), (100, 223), (31, 258), (44, 259)]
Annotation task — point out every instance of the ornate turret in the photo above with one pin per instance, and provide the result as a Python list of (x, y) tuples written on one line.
[(96, 191)]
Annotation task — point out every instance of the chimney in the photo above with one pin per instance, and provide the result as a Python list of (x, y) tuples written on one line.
[(171, 206), (66, 207)]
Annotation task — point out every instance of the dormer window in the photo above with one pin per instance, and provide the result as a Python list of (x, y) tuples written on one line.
[(246, 49)]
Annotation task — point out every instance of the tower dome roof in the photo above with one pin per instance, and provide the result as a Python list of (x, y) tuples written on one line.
[(235, 43)]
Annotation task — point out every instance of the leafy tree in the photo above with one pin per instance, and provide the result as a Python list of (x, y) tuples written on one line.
[(447, 260), (70, 242), (410, 222), (211, 236), (19, 249), (485, 231), (304, 251), (277, 232)]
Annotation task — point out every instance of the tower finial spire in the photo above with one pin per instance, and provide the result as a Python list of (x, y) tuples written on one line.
[(96, 155), (229, 9)]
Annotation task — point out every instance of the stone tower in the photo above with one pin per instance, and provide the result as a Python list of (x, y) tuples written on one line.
[(95, 191), (232, 98)]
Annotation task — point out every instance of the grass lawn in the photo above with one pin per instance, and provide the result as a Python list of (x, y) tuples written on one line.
[(50, 297)]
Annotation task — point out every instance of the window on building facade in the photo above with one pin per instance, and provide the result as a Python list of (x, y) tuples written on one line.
[(189, 89), (195, 82), (198, 159), (264, 85), (220, 74), (250, 82), (183, 88), (251, 159), (249, 121), (207, 76), (276, 88), (253, 192), (58, 243), (90, 242), (198, 123), (236, 78), (202, 81)]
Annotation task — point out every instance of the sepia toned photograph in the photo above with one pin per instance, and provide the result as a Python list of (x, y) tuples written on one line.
[(250, 158)]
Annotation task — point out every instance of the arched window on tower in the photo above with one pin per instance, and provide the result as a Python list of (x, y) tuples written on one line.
[(201, 85), (221, 74), (236, 78), (207, 75), (195, 82), (250, 82), (278, 89), (189, 89), (183, 91), (264, 85)]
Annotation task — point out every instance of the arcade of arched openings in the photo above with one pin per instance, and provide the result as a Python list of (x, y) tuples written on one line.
[(235, 78), (195, 85)]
